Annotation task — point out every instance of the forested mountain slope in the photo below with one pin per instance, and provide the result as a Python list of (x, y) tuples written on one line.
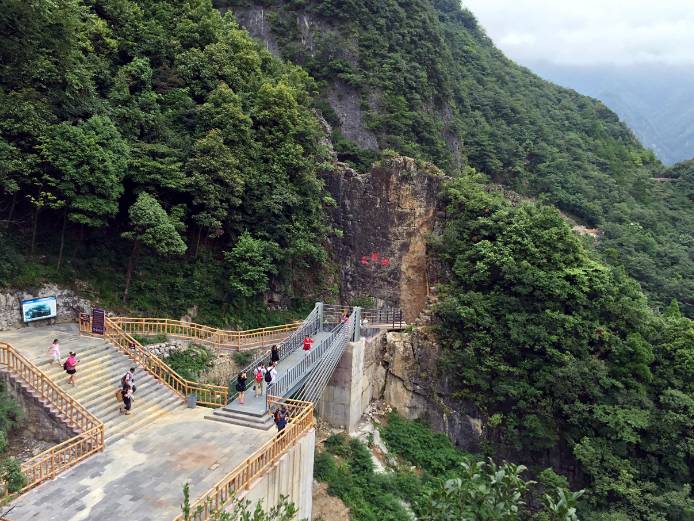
[(136, 128), (421, 77)]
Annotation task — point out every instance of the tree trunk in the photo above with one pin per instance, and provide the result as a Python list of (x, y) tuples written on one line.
[(79, 242), (12, 206), (197, 244), (62, 240), (33, 231), (131, 267)]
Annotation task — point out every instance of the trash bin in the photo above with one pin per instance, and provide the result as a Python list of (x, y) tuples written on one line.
[(192, 401)]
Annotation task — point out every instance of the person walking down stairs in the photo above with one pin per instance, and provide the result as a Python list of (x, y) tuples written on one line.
[(127, 393), (70, 367), (54, 351), (274, 355)]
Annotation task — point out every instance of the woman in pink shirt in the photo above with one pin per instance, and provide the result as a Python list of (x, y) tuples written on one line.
[(70, 367)]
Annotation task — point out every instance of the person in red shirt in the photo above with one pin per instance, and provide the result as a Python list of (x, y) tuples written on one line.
[(308, 342)]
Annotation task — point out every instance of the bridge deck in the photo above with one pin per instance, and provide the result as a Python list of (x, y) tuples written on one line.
[(256, 404)]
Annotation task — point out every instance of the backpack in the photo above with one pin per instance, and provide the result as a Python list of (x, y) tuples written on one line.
[(65, 365), (268, 377), (258, 375)]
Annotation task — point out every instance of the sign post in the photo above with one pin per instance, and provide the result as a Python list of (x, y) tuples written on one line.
[(98, 321)]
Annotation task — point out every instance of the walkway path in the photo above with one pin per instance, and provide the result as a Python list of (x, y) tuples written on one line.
[(141, 477)]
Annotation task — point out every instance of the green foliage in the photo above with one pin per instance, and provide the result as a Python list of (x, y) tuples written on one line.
[(527, 306), (146, 340), (250, 264), (433, 86), (11, 474), (165, 120), (242, 358), (190, 363)]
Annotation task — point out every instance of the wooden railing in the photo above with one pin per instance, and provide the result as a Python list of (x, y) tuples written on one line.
[(209, 336), (53, 461), (214, 500), (207, 394)]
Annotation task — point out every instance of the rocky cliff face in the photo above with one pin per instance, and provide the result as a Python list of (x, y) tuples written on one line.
[(69, 306), (386, 216)]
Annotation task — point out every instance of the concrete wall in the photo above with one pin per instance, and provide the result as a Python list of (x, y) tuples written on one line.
[(37, 422), (357, 379), (291, 476)]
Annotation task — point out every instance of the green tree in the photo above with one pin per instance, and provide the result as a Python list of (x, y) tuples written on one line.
[(251, 264), (152, 227)]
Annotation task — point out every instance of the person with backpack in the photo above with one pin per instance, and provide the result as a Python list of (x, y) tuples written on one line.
[(241, 387), (259, 379), (54, 351), (70, 367), (281, 417), (127, 394), (128, 379), (274, 355), (270, 375)]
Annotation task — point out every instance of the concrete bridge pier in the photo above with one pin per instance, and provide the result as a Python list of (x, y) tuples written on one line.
[(349, 391)]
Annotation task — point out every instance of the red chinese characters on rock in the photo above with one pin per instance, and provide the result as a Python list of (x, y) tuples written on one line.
[(374, 259)]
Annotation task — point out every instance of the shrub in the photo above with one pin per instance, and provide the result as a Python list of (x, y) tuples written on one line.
[(11, 473), (190, 363)]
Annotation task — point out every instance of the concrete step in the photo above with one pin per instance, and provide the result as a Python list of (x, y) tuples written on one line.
[(109, 410), (254, 421), (96, 399), (139, 417)]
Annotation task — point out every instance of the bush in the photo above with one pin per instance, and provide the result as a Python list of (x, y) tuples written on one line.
[(11, 473), (190, 363), (146, 340)]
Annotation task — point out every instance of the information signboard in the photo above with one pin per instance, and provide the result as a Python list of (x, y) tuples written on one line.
[(98, 321), (39, 308)]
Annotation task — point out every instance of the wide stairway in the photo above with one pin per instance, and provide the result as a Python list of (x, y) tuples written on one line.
[(98, 375)]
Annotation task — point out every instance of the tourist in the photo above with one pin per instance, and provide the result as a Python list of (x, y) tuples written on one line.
[(270, 376), (259, 377), (241, 387), (128, 379), (127, 393), (345, 318), (274, 355), (54, 351), (273, 373), (70, 367), (280, 417), (308, 342)]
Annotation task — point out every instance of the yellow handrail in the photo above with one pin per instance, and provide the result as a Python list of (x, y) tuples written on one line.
[(62, 456), (300, 421), (207, 394), (213, 337)]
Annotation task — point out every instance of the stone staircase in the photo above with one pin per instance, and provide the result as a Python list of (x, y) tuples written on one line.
[(98, 375), (253, 419)]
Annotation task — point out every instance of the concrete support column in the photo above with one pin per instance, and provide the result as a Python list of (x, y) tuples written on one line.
[(341, 403)]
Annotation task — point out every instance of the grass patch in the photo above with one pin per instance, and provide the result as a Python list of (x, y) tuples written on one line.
[(192, 362), (147, 340)]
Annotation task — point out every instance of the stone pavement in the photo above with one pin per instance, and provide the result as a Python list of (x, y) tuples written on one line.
[(141, 477)]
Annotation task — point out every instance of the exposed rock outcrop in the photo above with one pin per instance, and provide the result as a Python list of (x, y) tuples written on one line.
[(69, 306), (386, 216)]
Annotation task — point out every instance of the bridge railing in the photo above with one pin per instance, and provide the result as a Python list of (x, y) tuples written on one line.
[(385, 317), (341, 333), (309, 327), (209, 336), (214, 500), (62, 456), (207, 394)]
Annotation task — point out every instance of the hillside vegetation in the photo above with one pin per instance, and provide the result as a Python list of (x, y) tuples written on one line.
[(139, 137), (432, 85)]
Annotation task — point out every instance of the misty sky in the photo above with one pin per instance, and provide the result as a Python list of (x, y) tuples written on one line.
[(590, 32)]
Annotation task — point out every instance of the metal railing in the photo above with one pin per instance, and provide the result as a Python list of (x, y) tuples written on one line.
[(322, 373), (207, 394), (209, 336), (391, 318), (62, 456), (309, 327), (300, 420)]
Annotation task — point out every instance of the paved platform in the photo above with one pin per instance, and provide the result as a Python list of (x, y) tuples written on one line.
[(256, 404), (141, 477)]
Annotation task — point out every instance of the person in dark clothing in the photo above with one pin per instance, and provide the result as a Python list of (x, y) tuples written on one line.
[(241, 386), (281, 417), (127, 393), (274, 355)]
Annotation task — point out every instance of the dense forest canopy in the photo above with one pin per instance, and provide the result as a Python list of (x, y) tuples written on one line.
[(432, 85), (160, 126)]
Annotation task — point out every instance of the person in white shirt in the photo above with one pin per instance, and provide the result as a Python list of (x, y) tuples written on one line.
[(259, 376)]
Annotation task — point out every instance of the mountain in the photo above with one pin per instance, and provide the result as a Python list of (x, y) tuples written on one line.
[(422, 77), (653, 100)]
